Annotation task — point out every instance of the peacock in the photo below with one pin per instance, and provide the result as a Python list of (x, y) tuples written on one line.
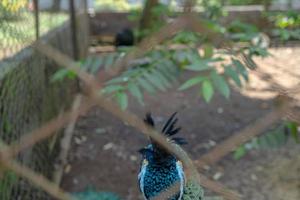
[(161, 170)]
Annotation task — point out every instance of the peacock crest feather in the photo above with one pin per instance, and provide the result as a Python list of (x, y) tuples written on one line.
[(169, 129)]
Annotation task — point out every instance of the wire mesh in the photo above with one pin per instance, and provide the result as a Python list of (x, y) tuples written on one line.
[(28, 98), (18, 27)]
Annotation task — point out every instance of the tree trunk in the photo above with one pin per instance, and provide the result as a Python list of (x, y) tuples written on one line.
[(56, 5), (147, 15)]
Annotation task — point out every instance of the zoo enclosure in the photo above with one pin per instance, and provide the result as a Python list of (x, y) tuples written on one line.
[(28, 97), (20, 186)]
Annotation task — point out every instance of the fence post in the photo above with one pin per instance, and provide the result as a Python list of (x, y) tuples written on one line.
[(36, 18), (85, 25), (73, 29)]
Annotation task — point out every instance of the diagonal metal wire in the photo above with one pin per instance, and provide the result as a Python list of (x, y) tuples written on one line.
[(45, 131), (37, 179), (188, 20), (244, 135), (125, 116)]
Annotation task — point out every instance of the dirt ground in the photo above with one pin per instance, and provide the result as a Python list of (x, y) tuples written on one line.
[(104, 152)]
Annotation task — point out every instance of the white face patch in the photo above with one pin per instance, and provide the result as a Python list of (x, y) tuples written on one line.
[(142, 175), (145, 162), (179, 168)]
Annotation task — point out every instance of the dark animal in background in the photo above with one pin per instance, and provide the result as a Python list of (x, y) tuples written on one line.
[(159, 169), (124, 38)]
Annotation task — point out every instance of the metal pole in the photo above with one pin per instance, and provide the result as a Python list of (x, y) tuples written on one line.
[(73, 29), (36, 18)]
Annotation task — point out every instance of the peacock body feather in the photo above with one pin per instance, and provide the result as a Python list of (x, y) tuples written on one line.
[(159, 169)]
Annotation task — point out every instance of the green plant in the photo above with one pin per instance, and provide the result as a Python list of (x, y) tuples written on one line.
[(213, 9), (148, 76), (287, 25), (272, 139), (91, 194), (247, 2), (114, 5), (14, 33), (240, 31), (8, 179), (9, 9), (159, 13), (91, 64), (159, 68)]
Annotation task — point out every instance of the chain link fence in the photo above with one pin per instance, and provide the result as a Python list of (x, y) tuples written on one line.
[(28, 98)]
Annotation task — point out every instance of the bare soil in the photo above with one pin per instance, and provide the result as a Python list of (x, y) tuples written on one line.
[(104, 152)]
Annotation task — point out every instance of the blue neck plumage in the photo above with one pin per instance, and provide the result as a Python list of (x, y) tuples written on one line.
[(156, 156)]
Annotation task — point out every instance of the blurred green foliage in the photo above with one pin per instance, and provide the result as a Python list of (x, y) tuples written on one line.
[(287, 25), (6, 187), (159, 68), (215, 70), (247, 2), (159, 13), (115, 5), (22, 30), (272, 139), (9, 8), (91, 194)]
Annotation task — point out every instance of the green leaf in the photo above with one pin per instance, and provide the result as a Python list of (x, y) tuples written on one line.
[(199, 65), (120, 79), (146, 85), (169, 70), (233, 75), (109, 61), (191, 82), (112, 88), (293, 128), (239, 152), (258, 51), (220, 84), (71, 75), (161, 77), (85, 63), (136, 92), (155, 81), (60, 74), (208, 50), (168, 74), (96, 64), (280, 136), (271, 139), (263, 142), (122, 100), (207, 90), (180, 56), (240, 68)]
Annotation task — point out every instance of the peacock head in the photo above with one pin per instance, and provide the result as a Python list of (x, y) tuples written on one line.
[(154, 153)]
